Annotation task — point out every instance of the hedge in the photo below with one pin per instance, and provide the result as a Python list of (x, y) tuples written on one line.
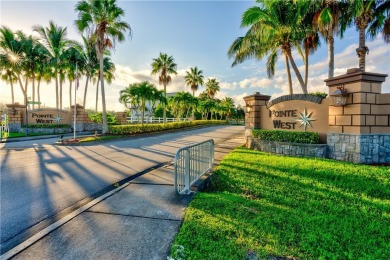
[(287, 136), (148, 128), (47, 126)]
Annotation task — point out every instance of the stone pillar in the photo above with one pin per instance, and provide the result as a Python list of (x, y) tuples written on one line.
[(360, 131), (253, 105), (16, 116), (81, 117), (121, 118)]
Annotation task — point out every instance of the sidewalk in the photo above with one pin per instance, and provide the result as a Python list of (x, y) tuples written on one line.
[(139, 220)]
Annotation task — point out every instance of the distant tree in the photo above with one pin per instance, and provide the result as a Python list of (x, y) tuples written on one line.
[(194, 79), (164, 66), (212, 87), (55, 41)]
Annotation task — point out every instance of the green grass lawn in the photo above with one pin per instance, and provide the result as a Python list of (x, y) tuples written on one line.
[(264, 206)]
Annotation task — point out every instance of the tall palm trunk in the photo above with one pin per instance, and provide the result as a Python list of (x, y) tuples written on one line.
[(39, 93), (331, 53), (12, 89), (97, 94), (306, 65), (70, 94), (164, 106), (363, 49), (61, 81), (23, 90), (57, 90), (105, 125), (85, 92), (290, 88), (33, 89), (298, 74)]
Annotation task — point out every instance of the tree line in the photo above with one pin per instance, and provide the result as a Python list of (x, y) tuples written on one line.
[(27, 60)]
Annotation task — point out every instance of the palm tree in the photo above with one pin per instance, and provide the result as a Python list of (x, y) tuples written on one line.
[(212, 87), (273, 30), (179, 103), (91, 63), (54, 39), (326, 19), (9, 77), (74, 57), (129, 98), (227, 106), (11, 56), (194, 79), (45, 73), (371, 14), (164, 65), (141, 92), (157, 97), (102, 18)]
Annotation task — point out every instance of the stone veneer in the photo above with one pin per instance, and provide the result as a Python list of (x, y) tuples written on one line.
[(360, 148), (46, 130), (290, 149)]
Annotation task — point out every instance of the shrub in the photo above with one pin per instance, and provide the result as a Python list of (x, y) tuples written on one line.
[(98, 118), (319, 94), (47, 126), (287, 136), (148, 128)]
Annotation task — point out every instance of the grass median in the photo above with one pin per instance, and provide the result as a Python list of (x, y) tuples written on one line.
[(264, 206)]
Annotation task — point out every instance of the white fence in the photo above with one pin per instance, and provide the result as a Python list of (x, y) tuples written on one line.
[(191, 162), (4, 126), (136, 120)]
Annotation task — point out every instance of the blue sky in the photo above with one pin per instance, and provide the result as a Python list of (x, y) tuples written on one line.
[(195, 33)]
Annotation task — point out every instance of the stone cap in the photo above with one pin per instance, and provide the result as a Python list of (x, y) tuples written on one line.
[(354, 75), (257, 96), (16, 105)]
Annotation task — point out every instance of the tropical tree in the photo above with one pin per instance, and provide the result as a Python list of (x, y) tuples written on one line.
[(227, 107), (326, 19), (53, 38), (11, 57), (164, 66), (91, 63), (194, 79), (141, 93), (181, 104), (212, 87), (311, 40), (157, 97), (75, 60), (129, 98), (371, 14), (102, 20), (272, 31), (9, 77)]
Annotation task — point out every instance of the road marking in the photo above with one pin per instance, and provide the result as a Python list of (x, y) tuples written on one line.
[(19, 248)]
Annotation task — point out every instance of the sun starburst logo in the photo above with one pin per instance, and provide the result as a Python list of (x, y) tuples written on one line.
[(57, 119), (305, 119)]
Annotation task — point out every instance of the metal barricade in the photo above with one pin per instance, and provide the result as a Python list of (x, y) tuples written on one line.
[(191, 162)]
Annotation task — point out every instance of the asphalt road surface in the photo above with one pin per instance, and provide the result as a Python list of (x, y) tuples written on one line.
[(39, 179)]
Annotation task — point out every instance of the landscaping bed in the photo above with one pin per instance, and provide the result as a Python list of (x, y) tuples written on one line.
[(265, 206)]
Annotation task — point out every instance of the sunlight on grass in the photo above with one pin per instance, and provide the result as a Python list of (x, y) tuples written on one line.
[(267, 205)]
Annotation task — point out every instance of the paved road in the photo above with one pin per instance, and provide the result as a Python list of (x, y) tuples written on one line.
[(39, 179)]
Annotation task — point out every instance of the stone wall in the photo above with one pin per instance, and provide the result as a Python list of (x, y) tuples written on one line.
[(360, 148), (290, 149), (46, 130)]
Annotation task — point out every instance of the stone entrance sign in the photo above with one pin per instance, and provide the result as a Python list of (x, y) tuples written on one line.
[(49, 116)]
